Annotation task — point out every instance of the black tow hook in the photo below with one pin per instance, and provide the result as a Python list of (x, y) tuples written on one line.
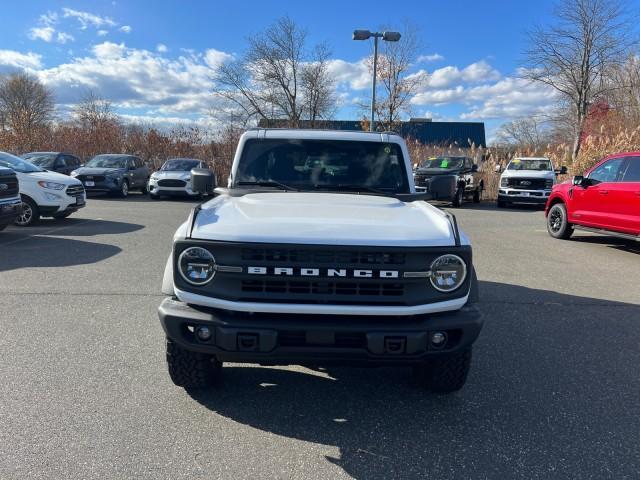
[(395, 345), (247, 342)]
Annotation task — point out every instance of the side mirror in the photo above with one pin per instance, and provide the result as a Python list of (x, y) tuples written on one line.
[(562, 171), (203, 180), (498, 168), (474, 168), (578, 181)]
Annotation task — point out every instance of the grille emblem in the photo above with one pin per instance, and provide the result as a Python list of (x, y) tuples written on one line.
[(3, 187), (526, 183)]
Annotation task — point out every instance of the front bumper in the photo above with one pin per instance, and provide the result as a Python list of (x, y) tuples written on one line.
[(512, 195), (9, 210), (156, 189), (109, 184), (317, 339)]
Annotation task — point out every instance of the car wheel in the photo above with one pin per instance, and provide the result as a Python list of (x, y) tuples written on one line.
[(458, 199), (124, 189), (445, 373), (145, 189), (30, 213), (558, 225), (502, 204), (191, 369)]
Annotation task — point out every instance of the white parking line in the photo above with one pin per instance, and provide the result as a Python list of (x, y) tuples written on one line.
[(47, 232)]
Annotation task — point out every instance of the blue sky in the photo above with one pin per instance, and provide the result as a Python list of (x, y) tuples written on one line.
[(154, 59)]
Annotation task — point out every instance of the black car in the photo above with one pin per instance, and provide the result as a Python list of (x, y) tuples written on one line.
[(449, 179), (114, 173), (59, 162)]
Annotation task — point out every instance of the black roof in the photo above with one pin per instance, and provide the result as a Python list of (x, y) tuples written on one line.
[(462, 134)]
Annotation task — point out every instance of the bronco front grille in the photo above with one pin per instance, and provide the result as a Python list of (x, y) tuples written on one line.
[(323, 288)]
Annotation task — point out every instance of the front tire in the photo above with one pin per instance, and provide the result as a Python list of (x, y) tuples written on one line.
[(145, 189), (189, 369), (30, 213), (446, 373), (124, 189), (459, 197), (558, 224)]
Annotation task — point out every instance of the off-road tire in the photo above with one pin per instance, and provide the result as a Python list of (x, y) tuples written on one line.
[(189, 369), (24, 220), (458, 198), (446, 373), (558, 225)]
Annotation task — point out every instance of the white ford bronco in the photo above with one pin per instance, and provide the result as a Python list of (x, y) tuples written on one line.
[(319, 252)]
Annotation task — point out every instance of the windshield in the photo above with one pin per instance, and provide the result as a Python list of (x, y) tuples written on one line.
[(323, 164), (107, 161), (44, 160), (539, 164), (446, 163), (180, 165), (17, 164)]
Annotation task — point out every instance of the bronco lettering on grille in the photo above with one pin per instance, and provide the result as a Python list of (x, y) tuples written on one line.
[(322, 272)]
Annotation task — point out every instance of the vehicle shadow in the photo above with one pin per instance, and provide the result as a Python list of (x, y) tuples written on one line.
[(72, 227), (490, 205), (548, 396), (609, 241), (45, 252)]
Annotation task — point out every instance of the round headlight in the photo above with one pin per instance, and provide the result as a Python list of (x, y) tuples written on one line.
[(448, 272), (197, 265)]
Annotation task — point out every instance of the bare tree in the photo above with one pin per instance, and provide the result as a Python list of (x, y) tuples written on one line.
[(270, 82), (396, 84), (318, 87), (94, 111), (531, 134), (577, 54), (26, 105), (625, 96)]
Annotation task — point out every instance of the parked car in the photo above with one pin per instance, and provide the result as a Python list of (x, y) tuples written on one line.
[(59, 162), (43, 193), (450, 179), (605, 200), (114, 173), (527, 180), (10, 202), (174, 178)]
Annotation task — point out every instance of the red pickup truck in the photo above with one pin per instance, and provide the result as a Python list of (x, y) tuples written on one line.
[(605, 200)]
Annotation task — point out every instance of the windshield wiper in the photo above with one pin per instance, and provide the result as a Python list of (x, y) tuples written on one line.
[(269, 183), (353, 188)]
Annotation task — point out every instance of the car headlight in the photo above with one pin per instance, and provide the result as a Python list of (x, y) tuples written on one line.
[(504, 182), (74, 173), (51, 185), (197, 265), (448, 272), (153, 177)]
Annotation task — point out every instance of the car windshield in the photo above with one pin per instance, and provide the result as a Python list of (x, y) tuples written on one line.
[(180, 165), (44, 160), (17, 164), (446, 163), (530, 164), (323, 165), (107, 161)]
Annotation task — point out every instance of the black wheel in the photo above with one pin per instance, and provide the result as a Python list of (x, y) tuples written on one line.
[(145, 188), (191, 369), (62, 215), (30, 213), (459, 198), (502, 204), (446, 373), (124, 189), (557, 224), (477, 195), (153, 196)]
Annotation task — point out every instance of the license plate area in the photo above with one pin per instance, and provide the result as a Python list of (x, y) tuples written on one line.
[(89, 183)]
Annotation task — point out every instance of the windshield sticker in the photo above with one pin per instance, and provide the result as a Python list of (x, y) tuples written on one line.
[(444, 163)]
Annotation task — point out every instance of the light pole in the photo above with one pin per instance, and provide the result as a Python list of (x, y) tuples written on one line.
[(366, 35)]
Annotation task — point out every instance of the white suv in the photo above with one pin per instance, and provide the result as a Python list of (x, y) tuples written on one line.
[(44, 194)]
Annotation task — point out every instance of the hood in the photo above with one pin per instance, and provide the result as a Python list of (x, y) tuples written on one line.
[(438, 171), (47, 176), (323, 218), (529, 174), (172, 174), (98, 171)]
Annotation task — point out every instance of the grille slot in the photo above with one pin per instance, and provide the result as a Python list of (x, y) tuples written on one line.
[(342, 258), (75, 190), (170, 182), (372, 289), (12, 186)]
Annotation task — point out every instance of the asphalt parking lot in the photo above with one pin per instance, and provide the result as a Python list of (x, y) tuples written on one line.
[(554, 390)]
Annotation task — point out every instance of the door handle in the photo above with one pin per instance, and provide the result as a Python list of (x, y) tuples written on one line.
[(604, 192)]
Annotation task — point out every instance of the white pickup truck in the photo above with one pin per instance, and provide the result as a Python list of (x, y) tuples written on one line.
[(527, 180), (319, 251)]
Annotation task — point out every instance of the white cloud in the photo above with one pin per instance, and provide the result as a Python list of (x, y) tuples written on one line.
[(42, 33), (49, 18), (214, 58), (64, 37), (476, 72), (125, 29), (162, 48), (434, 57), (102, 33), (27, 61), (86, 18), (356, 75)]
